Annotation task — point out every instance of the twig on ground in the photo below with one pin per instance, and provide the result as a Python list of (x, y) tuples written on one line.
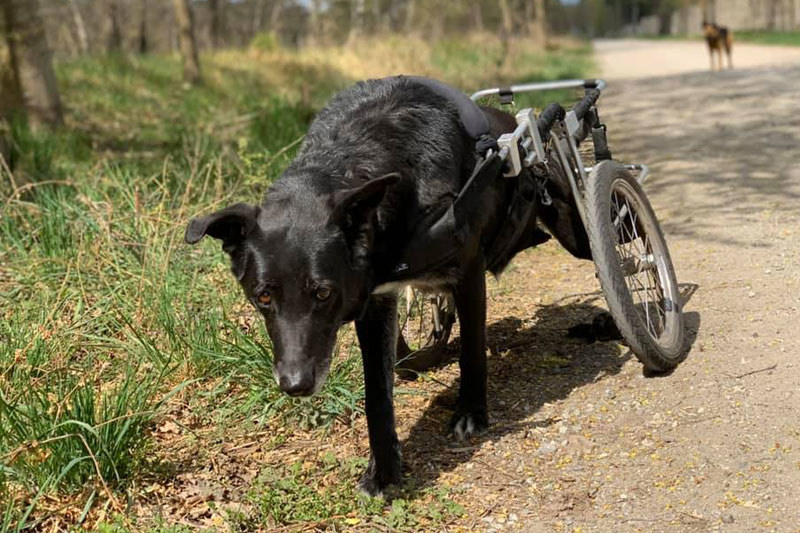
[(699, 420), (765, 369)]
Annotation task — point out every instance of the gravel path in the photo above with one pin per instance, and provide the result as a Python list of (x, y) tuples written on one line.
[(642, 58), (580, 438)]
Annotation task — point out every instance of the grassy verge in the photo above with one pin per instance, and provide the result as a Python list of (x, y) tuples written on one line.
[(669, 37), (783, 38), (779, 38), (112, 332)]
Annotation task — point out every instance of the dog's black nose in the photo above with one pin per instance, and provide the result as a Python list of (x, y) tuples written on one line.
[(297, 384)]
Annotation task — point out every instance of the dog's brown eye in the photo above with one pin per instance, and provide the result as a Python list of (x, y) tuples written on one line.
[(265, 298), (323, 293)]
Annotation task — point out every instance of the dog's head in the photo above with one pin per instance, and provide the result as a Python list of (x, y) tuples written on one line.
[(303, 260), (709, 29)]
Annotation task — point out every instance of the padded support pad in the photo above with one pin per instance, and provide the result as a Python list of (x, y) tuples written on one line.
[(471, 116)]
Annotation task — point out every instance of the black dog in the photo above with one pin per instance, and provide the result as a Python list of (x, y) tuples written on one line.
[(384, 158)]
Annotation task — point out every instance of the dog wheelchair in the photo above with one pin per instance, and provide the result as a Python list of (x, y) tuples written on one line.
[(617, 228)]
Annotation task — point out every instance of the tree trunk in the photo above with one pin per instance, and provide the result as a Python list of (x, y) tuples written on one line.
[(796, 21), (31, 62), (114, 33), (772, 14), (80, 27), (506, 28), (683, 18), (275, 17), (477, 16), (411, 13), (358, 10), (376, 16), (437, 24), (540, 23), (215, 23), (258, 17), (529, 27), (143, 27), (10, 100), (315, 26), (66, 40), (186, 42)]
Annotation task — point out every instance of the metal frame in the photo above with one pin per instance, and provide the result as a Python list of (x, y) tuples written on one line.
[(564, 139), (523, 147), (598, 84)]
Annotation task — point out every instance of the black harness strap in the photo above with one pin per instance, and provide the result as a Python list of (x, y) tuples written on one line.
[(440, 240), (435, 245)]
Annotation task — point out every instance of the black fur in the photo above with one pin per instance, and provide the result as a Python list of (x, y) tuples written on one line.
[(383, 158)]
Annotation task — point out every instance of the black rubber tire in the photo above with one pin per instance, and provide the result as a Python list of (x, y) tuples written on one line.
[(666, 351)]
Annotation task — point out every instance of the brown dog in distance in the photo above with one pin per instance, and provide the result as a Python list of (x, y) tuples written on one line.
[(718, 38)]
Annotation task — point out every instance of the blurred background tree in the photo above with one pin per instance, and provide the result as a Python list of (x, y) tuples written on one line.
[(28, 81), (187, 42), (35, 29), (77, 27)]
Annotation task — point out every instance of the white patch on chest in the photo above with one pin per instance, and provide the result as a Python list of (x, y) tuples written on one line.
[(439, 282)]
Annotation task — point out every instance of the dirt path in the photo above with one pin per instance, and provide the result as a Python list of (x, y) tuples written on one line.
[(580, 439), (642, 58)]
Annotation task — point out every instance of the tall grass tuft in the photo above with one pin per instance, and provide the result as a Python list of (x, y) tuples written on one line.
[(66, 431)]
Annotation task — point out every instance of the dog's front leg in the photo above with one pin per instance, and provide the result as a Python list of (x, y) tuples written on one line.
[(377, 335), (470, 295)]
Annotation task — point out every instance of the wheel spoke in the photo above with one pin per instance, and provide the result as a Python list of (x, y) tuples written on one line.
[(638, 262)]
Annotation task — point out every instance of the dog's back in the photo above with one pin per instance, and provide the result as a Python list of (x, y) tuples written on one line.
[(378, 127), (718, 37), (393, 125)]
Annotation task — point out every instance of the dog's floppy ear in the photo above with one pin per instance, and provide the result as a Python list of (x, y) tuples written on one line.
[(353, 210), (354, 206), (230, 225)]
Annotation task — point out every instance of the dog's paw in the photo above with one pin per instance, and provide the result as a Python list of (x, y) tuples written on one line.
[(466, 424), (369, 485), (373, 482)]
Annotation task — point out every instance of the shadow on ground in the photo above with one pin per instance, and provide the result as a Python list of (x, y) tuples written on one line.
[(732, 159), (532, 363)]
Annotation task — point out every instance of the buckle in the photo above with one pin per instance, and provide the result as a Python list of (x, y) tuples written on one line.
[(506, 95)]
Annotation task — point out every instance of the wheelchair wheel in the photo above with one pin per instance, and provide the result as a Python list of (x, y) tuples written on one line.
[(634, 266), (425, 323)]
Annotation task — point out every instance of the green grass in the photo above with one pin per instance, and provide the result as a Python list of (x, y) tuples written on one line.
[(771, 37), (323, 492), (107, 318), (668, 37), (784, 38)]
